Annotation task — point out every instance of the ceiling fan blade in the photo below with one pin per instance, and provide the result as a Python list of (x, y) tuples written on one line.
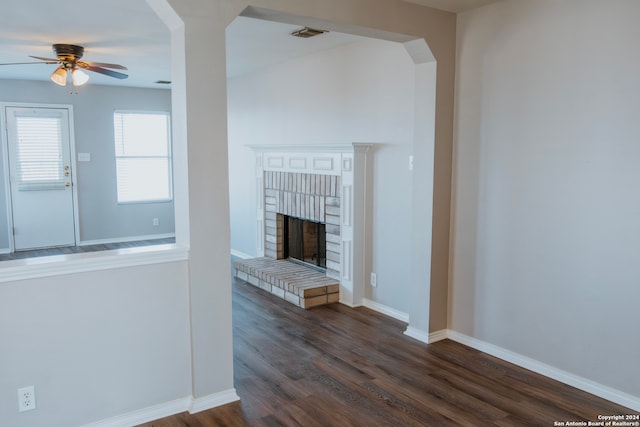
[(103, 65), (24, 63), (44, 59), (105, 72)]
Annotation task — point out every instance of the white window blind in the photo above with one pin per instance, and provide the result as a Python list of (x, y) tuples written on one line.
[(143, 156), (39, 161)]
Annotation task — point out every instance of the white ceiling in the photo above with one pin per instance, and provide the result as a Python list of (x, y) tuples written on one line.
[(128, 32), (253, 44), (124, 32)]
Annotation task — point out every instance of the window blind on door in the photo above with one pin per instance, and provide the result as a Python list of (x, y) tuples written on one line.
[(39, 161)]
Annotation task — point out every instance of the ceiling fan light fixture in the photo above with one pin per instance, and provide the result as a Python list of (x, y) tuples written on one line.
[(72, 68), (79, 77), (59, 76)]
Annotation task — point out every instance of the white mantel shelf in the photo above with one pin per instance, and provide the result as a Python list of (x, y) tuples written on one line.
[(347, 161), (309, 148)]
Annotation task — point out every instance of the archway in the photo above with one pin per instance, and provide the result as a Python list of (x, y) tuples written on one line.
[(202, 215)]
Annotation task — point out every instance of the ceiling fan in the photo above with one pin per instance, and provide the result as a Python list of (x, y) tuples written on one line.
[(68, 58)]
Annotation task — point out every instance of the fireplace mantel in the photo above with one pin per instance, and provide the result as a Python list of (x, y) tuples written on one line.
[(309, 148), (347, 161)]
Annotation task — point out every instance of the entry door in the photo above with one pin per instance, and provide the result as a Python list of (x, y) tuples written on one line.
[(39, 147)]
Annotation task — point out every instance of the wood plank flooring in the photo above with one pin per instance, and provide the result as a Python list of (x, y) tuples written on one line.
[(66, 250), (337, 366)]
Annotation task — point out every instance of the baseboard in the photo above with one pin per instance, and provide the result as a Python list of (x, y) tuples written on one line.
[(145, 415), (440, 335), (126, 239), (349, 304), (5, 251), (605, 392), (241, 255), (167, 409), (417, 334), (386, 310), (213, 400)]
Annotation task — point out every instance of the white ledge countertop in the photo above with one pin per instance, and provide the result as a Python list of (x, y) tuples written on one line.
[(55, 265)]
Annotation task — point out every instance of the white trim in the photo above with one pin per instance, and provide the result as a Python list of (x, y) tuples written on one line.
[(126, 239), (417, 334), (386, 310), (440, 335), (4, 138), (74, 175), (145, 415), (605, 392), (213, 400), (240, 254), (5, 251), (32, 268)]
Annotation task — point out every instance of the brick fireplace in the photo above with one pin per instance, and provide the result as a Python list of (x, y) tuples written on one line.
[(321, 184), (306, 196)]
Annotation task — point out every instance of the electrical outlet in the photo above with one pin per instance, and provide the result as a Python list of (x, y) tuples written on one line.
[(374, 280), (156, 222), (26, 398)]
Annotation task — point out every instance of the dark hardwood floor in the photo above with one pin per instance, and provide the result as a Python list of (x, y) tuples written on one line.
[(337, 366), (66, 250)]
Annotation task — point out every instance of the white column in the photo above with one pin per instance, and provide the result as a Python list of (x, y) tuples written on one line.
[(356, 221), (260, 203), (200, 95), (347, 247)]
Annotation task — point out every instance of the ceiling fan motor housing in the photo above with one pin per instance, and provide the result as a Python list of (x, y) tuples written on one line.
[(68, 52)]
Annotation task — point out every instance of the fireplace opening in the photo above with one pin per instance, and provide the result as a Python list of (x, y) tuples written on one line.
[(305, 242)]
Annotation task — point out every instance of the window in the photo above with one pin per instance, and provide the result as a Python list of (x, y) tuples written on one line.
[(143, 156)]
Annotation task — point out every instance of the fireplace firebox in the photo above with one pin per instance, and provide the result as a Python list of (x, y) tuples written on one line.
[(305, 241)]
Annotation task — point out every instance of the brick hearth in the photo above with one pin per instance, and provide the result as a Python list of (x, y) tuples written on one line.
[(295, 283)]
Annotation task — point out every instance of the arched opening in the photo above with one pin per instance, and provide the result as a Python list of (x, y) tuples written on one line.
[(191, 106), (306, 95)]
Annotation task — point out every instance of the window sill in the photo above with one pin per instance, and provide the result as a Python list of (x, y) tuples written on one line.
[(32, 268), (145, 202)]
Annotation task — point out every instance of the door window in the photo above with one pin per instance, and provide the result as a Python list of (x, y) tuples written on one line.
[(39, 159)]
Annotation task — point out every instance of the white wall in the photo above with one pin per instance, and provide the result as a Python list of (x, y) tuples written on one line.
[(100, 215), (94, 344), (546, 207), (362, 92)]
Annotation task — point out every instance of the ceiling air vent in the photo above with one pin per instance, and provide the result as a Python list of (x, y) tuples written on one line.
[(307, 32)]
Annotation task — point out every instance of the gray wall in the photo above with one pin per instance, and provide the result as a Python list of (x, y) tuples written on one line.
[(100, 215), (546, 218), (116, 340)]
